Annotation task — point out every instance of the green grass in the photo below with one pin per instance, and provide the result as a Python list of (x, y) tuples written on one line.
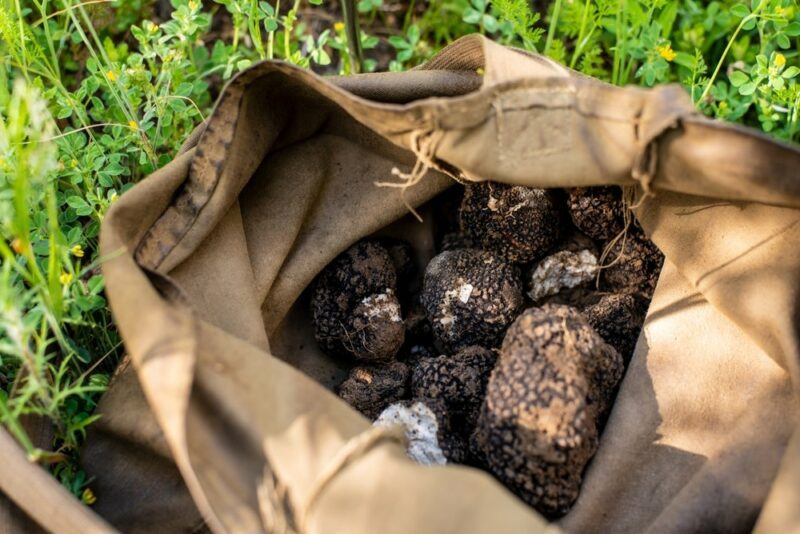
[(94, 96)]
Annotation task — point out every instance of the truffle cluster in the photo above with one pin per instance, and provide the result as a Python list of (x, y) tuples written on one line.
[(506, 352)]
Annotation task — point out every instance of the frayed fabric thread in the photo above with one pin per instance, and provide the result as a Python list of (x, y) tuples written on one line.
[(424, 144)]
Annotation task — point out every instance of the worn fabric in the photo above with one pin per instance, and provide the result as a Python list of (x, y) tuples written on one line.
[(211, 255)]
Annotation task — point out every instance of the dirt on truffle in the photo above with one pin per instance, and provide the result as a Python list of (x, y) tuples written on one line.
[(634, 264), (597, 211), (562, 270), (451, 441), (429, 437), (377, 328), (538, 426), (470, 296), (371, 388), (520, 224), (354, 306)]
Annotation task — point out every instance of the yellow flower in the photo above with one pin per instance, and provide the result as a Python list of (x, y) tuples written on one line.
[(65, 278), (114, 197), (192, 5), (17, 245), (780, 60), (77, 251), (73, 163), (133, 125), (666, 52), (88, 496), (111, 76), (338, 26)]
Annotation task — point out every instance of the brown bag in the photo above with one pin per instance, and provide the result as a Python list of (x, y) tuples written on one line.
[(208, 260)]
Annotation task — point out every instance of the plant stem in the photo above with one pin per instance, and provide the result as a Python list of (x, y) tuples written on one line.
[(552, 29), (271, 36), (579, 40), (617, 44), (713, 77)]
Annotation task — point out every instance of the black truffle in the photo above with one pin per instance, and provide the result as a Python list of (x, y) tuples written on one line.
[(429, 439), (418, 329), (377, 329), (414, 353), (538, 426), (402, 256), (455, 241), (371, 388), (596, 211), (354, 305), (459, 380), (577, 297), (634, 264), (618, 318), (470, 297), (452, 442), (518, 223)]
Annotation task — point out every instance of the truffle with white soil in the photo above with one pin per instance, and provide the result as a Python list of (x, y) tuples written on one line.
[(354, 305), (470, 297), (426, 424)]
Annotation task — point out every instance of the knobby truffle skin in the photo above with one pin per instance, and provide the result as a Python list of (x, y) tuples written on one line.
[(634, 265), (538, 426), (454, 241), (354, 305), (451, 440), (596, 211), (459, 380), (414, 353), (618, 319), (518, 223), (470, 296), (371, 388)]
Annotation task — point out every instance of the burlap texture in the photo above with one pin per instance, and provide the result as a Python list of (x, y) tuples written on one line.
[(210, 257)]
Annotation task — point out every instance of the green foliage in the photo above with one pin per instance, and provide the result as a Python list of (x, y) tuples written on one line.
[(94, 96)]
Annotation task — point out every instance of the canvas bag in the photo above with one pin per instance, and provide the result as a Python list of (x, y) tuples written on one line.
[(208, 259)]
